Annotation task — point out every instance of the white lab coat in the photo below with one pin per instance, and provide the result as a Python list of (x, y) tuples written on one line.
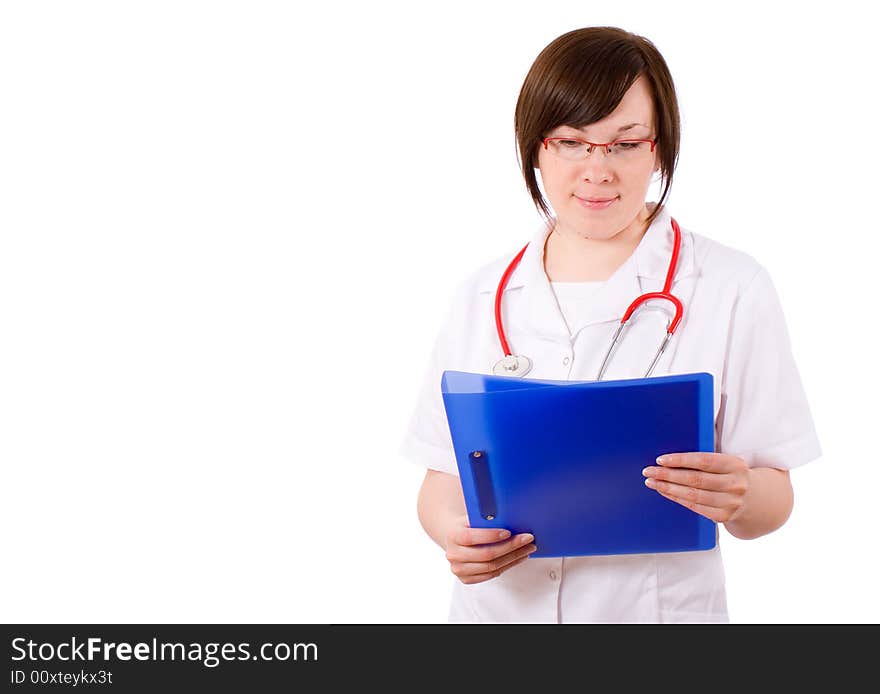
[(733, 328)]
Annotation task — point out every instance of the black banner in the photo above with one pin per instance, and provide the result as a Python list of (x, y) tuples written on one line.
[(230, 657)]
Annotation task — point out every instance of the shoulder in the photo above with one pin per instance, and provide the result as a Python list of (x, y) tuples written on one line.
[(719, 263), (472, 295), (485, 278), (731, 281)]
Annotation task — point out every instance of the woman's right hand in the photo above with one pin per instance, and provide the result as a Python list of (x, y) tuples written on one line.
[(480, 554)]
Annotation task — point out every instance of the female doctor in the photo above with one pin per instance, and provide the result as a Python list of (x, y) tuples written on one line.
[(597, 115)]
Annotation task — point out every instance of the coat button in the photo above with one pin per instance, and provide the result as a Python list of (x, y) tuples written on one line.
[(553, 575), (566, 360)]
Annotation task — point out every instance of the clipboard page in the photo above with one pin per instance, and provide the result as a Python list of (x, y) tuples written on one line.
[(563, 459)]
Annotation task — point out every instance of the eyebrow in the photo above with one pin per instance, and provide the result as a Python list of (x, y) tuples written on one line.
[(631, 125), (628, 126)]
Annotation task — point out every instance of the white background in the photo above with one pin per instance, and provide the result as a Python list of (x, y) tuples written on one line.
[(229, 230)]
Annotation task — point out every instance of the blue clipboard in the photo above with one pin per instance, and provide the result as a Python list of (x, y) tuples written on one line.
[(563, 460)]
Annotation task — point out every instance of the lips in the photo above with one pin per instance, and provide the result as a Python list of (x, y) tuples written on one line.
[(597, 199), (595, 203)]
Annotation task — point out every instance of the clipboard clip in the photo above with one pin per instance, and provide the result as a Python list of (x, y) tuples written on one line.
[(483, 483)]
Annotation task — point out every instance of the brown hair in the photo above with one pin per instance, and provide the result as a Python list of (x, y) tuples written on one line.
[(579, 79)]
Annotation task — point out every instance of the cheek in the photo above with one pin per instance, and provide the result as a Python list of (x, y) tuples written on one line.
[(556, 180)]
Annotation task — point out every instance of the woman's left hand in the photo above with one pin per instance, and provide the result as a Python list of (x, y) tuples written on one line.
[(711, 484)]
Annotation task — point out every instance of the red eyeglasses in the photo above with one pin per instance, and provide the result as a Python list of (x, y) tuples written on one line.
[(573, 148)]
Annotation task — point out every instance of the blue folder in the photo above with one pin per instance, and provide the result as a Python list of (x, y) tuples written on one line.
[(563, 460)]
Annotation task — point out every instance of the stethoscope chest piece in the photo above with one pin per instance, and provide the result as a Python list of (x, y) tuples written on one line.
[(512, 365)]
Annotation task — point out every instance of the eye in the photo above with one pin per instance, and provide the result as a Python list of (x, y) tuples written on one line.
[(569, 143)]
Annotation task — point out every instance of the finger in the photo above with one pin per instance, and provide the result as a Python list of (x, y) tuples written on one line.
[(487, 552), (710, 462), (467, 571), (713, 513), (478, 536), (470, 580), (693, 495), (713, 481)]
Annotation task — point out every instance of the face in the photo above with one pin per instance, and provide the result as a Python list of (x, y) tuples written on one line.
[(568, 184)]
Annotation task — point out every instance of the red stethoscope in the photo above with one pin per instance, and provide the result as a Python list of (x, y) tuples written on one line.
[(519, 365)]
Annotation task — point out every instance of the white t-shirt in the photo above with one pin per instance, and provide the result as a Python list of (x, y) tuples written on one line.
[(733, 327), (573, 299)]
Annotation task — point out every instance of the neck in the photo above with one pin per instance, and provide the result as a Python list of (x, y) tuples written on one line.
[(570, 257)]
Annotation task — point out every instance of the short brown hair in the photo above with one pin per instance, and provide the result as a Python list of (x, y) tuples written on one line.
[(579, 79)]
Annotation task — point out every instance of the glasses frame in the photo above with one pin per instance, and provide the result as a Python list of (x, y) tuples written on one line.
[(592, 145)]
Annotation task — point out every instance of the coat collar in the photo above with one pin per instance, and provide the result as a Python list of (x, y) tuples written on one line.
[(645, 270)]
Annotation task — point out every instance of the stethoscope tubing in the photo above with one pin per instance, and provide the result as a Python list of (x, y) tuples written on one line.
[(511, 364)]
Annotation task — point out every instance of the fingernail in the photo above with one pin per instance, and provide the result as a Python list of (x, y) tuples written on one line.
[(661, 460), (646, 471), (525, 539), (503, 535), (649, 482)]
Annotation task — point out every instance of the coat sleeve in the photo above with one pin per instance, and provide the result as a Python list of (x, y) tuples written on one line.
[(427, 440), (765, 418)]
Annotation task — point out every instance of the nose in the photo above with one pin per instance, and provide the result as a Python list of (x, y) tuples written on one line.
[(594, 167)]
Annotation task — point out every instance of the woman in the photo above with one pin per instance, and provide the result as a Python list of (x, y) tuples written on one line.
[(597, 116)]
